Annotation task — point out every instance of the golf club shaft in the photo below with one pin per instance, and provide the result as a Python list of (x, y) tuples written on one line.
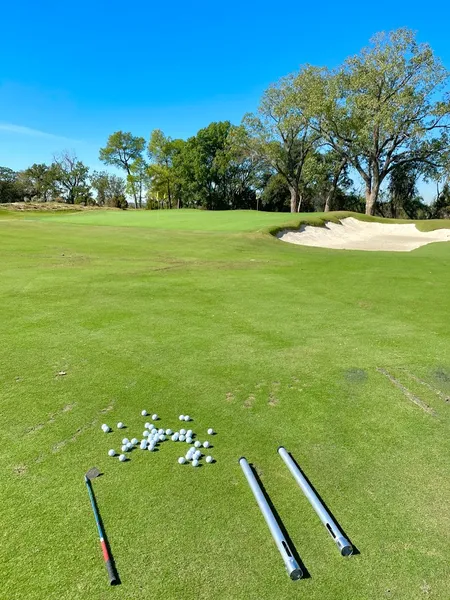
[(342, 543), (293, 569), (108, 562)]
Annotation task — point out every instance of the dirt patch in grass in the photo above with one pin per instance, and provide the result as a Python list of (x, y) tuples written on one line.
[(248, 403), (273, 401), (20, 470)]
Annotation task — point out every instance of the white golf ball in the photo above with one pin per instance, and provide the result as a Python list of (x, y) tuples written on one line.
[(210, 431), (182, 437), (174, 438), (148, 425), (181, 417), (122, 458), (197, 444), (168, 432), (206, 444), (209, 459), (187, 418), (197, 454), (189, 433), (143, 445), (105, 428), (195, 463), (145, 433), (151, 447), (144, 413), (160, 431), (120, 425), (155, 417), (111, 452), (188, 456), (135, 442), (181, 460), (189, 440), (124, 448), (162, 438), (129, 446), (183, 431), (125, 441)]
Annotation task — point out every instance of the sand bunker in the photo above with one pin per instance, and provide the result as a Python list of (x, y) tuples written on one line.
[(352, 234)]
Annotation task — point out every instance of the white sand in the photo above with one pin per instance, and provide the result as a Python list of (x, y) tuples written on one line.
[(352, 234)]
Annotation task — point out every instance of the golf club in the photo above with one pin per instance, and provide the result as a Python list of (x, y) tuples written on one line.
[(293, 569), (345, 547), (92, 474)]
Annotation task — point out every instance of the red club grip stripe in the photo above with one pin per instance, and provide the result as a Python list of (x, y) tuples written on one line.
[(104, 549)]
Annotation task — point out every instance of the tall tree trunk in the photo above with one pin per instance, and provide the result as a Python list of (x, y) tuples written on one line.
[(334, 185), (133, 186), (169, 195), (295, 201), (372, 197)]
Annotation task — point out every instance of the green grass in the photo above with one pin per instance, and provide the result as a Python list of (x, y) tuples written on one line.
[(270, 344)]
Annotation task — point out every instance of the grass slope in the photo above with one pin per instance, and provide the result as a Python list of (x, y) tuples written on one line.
[(266, 342)]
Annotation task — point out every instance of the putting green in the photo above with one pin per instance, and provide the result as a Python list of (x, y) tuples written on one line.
[(342, 357)]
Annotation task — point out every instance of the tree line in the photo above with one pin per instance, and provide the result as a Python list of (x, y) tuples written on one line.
[(357, 137)]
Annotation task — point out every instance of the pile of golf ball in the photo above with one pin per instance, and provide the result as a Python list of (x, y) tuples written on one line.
[(152, 437)]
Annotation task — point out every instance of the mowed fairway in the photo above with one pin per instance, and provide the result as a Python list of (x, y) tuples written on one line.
[(342, 357)]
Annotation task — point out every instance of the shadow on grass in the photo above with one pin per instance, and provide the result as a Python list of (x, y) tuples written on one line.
[(295, 554), (355, 549)]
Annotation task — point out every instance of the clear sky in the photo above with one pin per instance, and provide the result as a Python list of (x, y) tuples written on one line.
[(71, 73)]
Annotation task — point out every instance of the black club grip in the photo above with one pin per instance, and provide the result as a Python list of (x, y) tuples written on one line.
[(111, 573)]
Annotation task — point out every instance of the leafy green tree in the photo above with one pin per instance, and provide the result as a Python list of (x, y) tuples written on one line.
[(402, 189), (164, 175), (110, 189), (72, 176), (440, 208), (382, 108), (137, 181), (209, 170), (10, 188), (275, 196), (40, 182), (124, 151), (281, 133)]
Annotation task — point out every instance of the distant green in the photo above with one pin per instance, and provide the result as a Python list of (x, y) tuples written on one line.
[(268, 343)]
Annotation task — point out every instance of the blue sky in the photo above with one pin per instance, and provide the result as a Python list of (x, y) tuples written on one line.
[(71, 73)]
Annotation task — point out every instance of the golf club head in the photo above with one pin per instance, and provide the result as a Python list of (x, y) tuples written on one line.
[(93, 473)]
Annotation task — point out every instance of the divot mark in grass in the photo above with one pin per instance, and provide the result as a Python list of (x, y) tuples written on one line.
[(51, 419), (412, 397), (60, 445), (20, 470), (273, 401), (248, 403), (230, 397), (441, 395)]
